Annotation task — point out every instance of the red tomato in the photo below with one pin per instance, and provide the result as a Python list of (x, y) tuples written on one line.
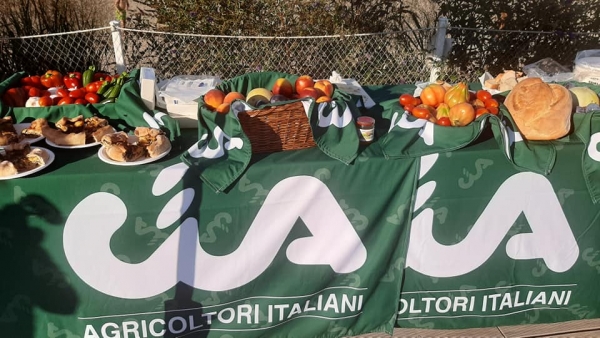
[(409, 107), (493, 110), (65, 100), (92, 98), (444, 121), (93, 86), (56, 100), (33, 91), (77, 93), (421, 112), (491, 103), (417, 101), (62, 92), (406, 99), (80, 101), (483, 95), (45, 101), (480, 111)]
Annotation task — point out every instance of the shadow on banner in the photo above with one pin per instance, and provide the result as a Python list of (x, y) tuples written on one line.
[(30, 279)]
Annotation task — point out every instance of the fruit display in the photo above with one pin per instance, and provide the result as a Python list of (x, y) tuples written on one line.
[(282, 90), (449, 105), (53, 88)]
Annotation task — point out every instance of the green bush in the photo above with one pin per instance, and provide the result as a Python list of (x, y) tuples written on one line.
[(494, 47)]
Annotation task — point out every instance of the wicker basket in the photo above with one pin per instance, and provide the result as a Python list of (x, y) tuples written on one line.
[(277, 128)]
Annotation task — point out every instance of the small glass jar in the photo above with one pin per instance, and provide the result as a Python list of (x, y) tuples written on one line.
[(366, 129)]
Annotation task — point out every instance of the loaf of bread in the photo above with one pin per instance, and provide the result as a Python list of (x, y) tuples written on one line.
[(542, 111)]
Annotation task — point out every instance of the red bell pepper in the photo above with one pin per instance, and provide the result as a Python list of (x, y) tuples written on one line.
[(72, 80), (52, 78)]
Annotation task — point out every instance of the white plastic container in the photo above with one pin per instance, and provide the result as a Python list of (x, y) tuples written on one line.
[(179, 96), (587, 66), (148, 86)]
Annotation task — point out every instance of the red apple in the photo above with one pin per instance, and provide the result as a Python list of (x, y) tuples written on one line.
[(309, 92), (325, 86), (304, 81), (283, 87)]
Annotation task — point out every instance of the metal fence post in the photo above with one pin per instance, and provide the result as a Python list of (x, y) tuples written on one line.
[(118, 46), (438, 49)]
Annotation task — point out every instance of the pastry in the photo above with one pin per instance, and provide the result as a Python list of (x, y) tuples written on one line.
[(147, 136), (159, 146), (118, 148), (74, 125), (101, 131), (19, 157), (35, 129), (7, 138), (6, 125), (63, 139), (7, 169)]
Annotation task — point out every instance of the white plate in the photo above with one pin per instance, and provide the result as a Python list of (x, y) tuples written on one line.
[(19, 128), (87, 145), (102, 155), (32, 171)]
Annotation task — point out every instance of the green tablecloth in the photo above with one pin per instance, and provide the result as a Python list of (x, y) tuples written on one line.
[(300, 246)]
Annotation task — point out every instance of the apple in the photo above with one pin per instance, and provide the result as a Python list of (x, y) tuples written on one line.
[(309, 92), (325, 86), (283, 87), (304, 81)]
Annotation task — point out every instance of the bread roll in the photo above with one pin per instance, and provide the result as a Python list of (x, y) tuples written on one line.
[(541, 111)]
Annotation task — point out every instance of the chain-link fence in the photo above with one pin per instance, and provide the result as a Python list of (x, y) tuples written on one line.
[(64, 52), (369, 58), (372, 59)]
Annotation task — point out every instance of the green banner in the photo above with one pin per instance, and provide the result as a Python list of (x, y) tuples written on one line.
[(491, 246), (306, 250)]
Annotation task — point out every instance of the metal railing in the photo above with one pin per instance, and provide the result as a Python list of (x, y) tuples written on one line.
[(451, 53)]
